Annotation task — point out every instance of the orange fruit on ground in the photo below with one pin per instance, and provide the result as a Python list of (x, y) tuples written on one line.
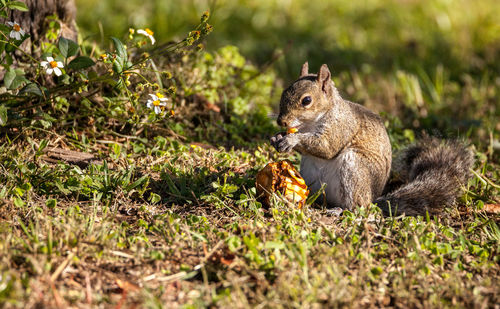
[(281, 177)]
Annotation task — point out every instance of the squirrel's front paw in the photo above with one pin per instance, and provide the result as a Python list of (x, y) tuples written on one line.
[(284, 142), (276, 138)]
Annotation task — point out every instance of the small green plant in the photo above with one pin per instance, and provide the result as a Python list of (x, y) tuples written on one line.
[(128, 69)]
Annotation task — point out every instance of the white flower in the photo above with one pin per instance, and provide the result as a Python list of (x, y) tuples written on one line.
[(52, 66), (156, 102), (147, 32), (16, 33)]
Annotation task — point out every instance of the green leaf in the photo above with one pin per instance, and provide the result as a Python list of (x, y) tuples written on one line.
[(121, 52), (63, 47), (41, 147), (10, 48), (81, 62), (117, 65), (73, 48), (137, 183), (18, 81), (65, 79), (17, 5), (18, 202), (274, 245), (9, 78), (3, 115), (68, 48), (31, 88), (3, 27), (120, 85), (51, 203), (8, 58), (14, 79), (154, 198)]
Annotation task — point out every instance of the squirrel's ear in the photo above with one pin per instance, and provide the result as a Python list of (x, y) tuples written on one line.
[(324, 78), (305, 69)]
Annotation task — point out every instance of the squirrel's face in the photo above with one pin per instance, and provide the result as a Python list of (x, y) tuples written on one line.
[(307, 99)]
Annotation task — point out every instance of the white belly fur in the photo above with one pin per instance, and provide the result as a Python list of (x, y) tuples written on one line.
[(317, 171)]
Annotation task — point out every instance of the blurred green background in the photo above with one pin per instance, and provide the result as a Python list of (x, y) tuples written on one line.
[(462, 35), (434, 63)]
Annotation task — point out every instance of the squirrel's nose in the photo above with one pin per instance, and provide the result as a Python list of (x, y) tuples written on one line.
[(281, 123)]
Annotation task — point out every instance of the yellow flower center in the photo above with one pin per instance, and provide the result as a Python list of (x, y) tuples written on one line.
[(159, 95), (16, 28), (53, 64), (156, 103), (148, 31)]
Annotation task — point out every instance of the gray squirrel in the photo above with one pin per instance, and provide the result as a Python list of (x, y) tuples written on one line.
[(346, 147)]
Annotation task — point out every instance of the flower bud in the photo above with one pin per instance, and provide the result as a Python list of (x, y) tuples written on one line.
[(171, 90), (205, 16), (207, 29), (189, 41)]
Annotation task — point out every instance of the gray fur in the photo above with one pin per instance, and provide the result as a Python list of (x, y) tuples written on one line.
[(433, 172), (346, 147)]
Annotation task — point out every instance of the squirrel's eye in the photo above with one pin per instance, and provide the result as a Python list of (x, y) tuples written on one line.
[(306, 101)]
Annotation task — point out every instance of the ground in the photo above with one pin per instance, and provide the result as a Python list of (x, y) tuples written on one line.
[(106, 204)]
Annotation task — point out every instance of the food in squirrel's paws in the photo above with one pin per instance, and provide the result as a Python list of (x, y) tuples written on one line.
[(281, 177), (292, 130)]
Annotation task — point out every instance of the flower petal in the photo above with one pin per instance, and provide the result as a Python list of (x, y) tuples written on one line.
[(50, 59), (60, 64), (157, 109), (44, 63), (57, 71), (17, 35), (49, 70), (9, 23), (145, 33)]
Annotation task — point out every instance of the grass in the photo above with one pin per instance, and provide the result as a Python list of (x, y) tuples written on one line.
[(166, 215), (461, 35), (431, 63), (175, 225)]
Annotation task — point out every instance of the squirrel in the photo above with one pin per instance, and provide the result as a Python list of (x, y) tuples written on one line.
[(345, 146)]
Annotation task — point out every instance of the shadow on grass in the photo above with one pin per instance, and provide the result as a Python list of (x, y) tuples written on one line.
[(198, 190)]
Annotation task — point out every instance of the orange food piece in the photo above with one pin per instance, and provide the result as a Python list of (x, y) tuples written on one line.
[(291, 130), (281, 177)]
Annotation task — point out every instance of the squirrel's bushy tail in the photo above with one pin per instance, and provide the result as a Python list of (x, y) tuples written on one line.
[(433, 172)]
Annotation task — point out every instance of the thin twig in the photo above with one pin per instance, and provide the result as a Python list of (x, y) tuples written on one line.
[(183, 274), (485, 179), (62, 267)]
